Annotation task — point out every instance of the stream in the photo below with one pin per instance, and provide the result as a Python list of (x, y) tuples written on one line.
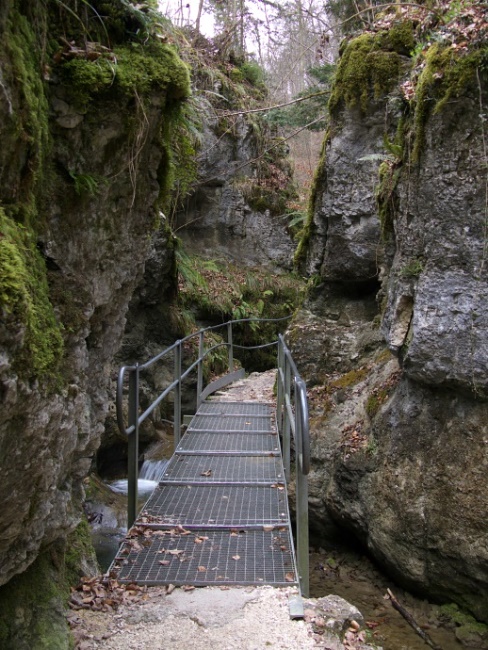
[(109, 509), (354, 577)]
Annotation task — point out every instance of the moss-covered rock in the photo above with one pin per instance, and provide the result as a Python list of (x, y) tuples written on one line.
[(32, 606), (24, 302), (131, 70), (446, 75), (85, 165), (369, 67)]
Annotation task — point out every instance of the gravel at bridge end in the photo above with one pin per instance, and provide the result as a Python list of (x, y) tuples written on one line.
[(221, 618)]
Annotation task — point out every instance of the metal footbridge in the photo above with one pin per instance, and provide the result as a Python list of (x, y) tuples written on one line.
[(220, 513)]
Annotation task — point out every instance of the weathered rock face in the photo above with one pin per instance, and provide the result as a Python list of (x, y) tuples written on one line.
[(437, 301), (346, 244), (400, 453), (219, 219), (73, 247)]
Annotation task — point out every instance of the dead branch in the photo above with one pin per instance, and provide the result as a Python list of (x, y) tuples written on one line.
[(289, 137), (411, 621), (271, 108)]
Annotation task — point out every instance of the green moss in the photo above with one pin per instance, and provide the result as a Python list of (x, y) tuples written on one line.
[(32, 119), (236, 75), (32, 608), (375, 400), (252, 72), (412, 269), (157, 66), (79, 550), (447, 74), (386, 199), (369, 67), (372, 406), (216, 291), (383, 356), (25, 304), (309, 226), (399, 38), (351, 378), (131, 71), (467, 624)]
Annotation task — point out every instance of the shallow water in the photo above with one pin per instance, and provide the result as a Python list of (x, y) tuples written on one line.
[(144, 486), (355, 578)]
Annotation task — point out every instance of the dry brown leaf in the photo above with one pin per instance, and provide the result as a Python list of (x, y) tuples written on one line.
[(236, 557), (201, 569), (289, 577)]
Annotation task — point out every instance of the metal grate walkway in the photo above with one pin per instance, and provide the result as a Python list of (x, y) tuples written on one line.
[(220, 513)]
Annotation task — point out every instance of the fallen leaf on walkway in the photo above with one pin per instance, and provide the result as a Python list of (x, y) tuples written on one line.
[(267, 528), (164, 562), (236, 557), (207, 473), (289, 577), (201, 568)]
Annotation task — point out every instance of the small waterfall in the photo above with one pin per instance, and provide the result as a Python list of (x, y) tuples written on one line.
[(152, 470), (149, 475)]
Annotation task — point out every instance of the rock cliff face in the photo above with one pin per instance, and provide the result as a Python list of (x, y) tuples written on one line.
[(400, 446), (82, 169), (237, 210)]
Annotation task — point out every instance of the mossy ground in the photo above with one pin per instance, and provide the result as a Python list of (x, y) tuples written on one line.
[(216, 291)]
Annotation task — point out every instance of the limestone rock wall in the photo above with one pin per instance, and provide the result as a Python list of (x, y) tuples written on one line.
[(221, 218), (82, 186), (399, 446)]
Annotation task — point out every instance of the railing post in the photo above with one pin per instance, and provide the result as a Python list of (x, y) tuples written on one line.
[(230, 346), (301, 498), (200, 368), (286, 421), (133, 446), (177, 397), (279, 387)]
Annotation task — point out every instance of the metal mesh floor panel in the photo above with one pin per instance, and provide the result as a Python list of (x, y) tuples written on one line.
[(234, 408), (208, 557), (216, 505), (226, 483), (233, 423), (228, 442), (220, 469)]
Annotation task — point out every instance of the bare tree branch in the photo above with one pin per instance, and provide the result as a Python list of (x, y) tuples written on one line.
[(271, 108), (277, 144)]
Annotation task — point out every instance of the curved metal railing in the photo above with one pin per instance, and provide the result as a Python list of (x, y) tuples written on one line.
[(293, 424), (129, 419), (291, 415)]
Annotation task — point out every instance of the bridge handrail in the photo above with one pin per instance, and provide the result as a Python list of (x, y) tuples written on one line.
[(292, 418), (135, 419)]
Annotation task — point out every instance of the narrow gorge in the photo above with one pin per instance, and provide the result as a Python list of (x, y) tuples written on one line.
[(143, 194)]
